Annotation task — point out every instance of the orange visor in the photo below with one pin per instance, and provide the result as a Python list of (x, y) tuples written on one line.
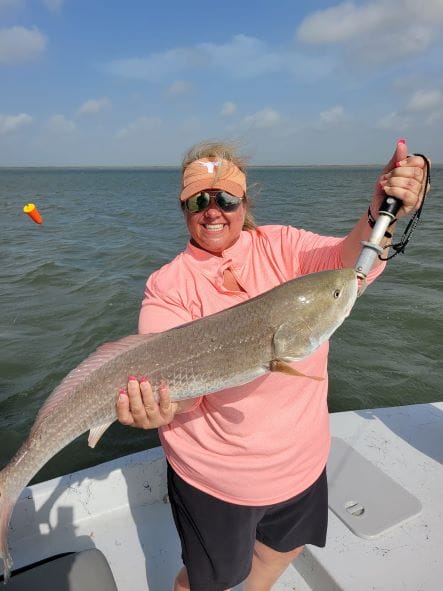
[(212, 173)]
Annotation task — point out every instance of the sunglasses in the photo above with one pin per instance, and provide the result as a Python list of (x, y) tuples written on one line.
[(201, 201)]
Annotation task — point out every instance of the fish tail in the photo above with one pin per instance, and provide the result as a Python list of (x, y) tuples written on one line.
[(6, 508)]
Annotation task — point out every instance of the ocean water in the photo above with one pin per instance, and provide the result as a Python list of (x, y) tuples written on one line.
[(77, 281)]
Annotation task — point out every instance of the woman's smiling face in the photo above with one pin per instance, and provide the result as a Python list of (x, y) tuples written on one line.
[(213, 229)]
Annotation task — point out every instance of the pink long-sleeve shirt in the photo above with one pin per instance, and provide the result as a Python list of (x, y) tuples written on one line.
[(268, 440)]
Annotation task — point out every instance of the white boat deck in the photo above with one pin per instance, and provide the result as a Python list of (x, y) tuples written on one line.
[(121, 508)]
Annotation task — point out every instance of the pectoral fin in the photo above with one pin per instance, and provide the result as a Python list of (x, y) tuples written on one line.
[(96, 433), (283, 367)]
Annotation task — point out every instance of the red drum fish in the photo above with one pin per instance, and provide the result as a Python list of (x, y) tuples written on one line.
[(226, 349)]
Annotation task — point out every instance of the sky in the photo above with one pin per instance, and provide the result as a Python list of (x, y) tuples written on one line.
[(137, 82)]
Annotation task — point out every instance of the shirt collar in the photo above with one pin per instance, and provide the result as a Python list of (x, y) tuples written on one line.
[(234, 256)]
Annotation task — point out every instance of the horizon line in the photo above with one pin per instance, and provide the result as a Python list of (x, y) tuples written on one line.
[(177, 166)]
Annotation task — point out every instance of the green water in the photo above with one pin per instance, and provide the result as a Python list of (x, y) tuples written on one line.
[(77, 281)]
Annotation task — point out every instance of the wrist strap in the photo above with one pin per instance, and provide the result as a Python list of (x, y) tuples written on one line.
[(399, 247)]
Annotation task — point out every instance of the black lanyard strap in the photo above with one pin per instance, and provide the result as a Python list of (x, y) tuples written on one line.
[(399, 247)]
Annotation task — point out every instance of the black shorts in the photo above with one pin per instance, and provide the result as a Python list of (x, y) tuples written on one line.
[(217, 537)]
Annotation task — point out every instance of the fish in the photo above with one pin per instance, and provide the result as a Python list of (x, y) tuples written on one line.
[(229, 348)]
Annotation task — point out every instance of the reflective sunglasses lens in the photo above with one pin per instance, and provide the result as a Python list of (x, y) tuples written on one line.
[(198, 202), (227, 202)]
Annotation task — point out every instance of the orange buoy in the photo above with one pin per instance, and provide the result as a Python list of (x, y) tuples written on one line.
[(33, 213)]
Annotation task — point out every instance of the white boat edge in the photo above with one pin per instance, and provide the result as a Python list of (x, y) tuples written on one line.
[(121, 508)]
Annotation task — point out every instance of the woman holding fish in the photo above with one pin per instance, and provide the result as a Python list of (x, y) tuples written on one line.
[(246, 466)]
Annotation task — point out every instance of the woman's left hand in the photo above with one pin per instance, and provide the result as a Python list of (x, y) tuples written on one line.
[(404, 178)]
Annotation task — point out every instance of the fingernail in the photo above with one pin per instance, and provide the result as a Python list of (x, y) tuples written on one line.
[(132, 379), (401, 141)]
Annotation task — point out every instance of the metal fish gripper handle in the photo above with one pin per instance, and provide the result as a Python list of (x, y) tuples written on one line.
[(371, 248)]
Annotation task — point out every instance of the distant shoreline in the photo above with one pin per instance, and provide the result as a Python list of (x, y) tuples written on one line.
[(172, 167), (166, 167)]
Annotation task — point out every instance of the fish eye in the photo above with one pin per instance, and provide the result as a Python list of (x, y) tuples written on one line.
[(337, 294)]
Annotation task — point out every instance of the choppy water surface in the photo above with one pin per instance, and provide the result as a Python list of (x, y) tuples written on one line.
[(77, 281)]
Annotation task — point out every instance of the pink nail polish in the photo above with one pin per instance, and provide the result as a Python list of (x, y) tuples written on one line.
[(143, 379), (397, 164), (132, 379), (122, 392), (401, 141)]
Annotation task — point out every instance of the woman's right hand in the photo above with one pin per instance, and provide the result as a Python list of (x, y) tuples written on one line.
[(137, 406)]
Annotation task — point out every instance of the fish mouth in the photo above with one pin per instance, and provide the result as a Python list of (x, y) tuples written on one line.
[(352, 301)]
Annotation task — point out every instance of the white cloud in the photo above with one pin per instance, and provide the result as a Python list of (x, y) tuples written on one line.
[(140, 126), (333, 116), (376, 31), (229, 108), (180, 87), (424, 107), (426, 100), (394, 121), (428, 104), (10, 123), (241, 57), (392, 46), (153, 67), (265, 118), (18, 45), (434, 118), (60, 125), (93, 106), (339, 23)]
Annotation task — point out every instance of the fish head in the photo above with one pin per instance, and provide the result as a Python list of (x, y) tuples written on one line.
[(317, 304)]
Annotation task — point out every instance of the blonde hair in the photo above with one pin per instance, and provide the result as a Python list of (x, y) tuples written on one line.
[(225, 151)]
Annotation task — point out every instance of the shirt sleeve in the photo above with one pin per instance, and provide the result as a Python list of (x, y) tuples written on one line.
[(322, 253), (160, 311), (318, 253)]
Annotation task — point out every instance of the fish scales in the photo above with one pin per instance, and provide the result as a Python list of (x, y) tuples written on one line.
[(229, 348)]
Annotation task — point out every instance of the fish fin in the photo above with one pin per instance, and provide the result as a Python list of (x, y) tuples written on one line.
[(283, 367), (293, 339), (96, 433), (6, 508), (77, 376)]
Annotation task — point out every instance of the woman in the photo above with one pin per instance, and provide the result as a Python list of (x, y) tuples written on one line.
[(246, 466)]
